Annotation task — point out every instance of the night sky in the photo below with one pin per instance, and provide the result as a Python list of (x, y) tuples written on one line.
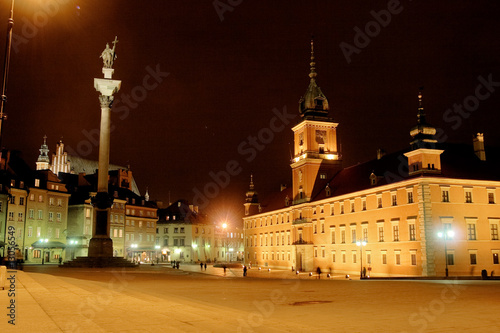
[(225, 78)]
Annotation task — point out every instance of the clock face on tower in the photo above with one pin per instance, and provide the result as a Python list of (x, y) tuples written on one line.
[(320, 136)]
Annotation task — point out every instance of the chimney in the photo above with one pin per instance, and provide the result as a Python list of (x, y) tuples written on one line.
[(380, 153), (478, 143)]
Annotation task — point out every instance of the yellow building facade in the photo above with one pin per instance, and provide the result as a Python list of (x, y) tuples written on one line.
[(430, 210)]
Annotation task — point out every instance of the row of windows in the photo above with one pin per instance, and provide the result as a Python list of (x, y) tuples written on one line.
[(140, 212), (115, 218), (148, 224), (445, 196), (52, 200), (131, 237), (265, 256), (412, 235), (51, 233), (368, 257), (351, 204), (116, 232), (31, 215), (263, 239)]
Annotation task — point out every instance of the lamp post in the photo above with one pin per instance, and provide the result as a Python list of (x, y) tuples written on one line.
[(447, 234), (6, 63), (224, 227), (157, 247), (361, 243)]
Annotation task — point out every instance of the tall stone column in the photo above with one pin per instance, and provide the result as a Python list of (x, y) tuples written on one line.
[(101, 245)]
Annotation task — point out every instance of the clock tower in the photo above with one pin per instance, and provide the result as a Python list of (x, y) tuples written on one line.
[(316, 158)]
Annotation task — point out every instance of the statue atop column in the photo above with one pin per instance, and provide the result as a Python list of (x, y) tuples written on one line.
[(108, 55)]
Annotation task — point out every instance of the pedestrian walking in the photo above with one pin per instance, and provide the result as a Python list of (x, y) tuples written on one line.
[(177, 265), (205, 266), (244, 270), (201, 266), (318, 270)]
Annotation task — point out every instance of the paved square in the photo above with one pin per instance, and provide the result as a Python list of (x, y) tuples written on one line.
[(162, 299)]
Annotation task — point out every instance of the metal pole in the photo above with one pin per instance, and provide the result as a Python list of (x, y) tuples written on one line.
[(6, 63), (361, 254), (445, 255)]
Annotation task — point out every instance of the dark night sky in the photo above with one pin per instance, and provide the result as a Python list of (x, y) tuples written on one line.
[(226, 77)]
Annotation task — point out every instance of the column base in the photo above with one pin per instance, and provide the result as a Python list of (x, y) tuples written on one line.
[(101, 247)]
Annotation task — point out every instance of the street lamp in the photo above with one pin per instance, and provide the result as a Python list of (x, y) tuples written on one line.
[(6, 63), (447, 234), (361, 243), (224, 227), (157, 247)]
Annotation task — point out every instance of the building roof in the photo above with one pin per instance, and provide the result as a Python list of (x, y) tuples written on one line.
[(181, 212), (83, 165), (458, 161)]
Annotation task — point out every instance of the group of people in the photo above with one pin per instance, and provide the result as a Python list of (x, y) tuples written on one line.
[(203, 265), (175, 264)]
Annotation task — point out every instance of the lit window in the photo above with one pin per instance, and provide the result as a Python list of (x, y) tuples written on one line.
[(395, 232), (413, 233), (413, 259), (468, 196), (473, 258), (380, 233), (491, 197), (445, 195), (471, 231), (410, 197), (450, 258), (394, 200), (494, 231)]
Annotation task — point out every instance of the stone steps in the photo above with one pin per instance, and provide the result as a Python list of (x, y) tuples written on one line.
[(98, 262)]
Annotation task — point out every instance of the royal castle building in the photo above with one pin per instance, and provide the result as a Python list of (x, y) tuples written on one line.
[(425, 211)]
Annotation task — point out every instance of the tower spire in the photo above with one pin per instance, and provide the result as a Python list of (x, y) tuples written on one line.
[(43, 159), (312, 74), (420, 110), (422, 133), (313, 104)]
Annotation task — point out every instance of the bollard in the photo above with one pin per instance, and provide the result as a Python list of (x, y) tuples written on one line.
[(3, 277)]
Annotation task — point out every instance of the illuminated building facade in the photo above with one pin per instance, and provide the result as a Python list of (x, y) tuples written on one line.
[(184, 234), (392, 209)]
